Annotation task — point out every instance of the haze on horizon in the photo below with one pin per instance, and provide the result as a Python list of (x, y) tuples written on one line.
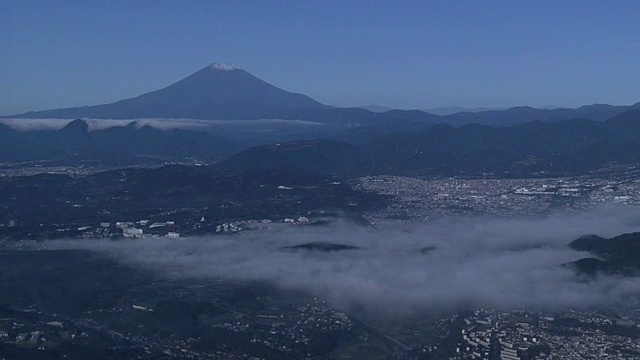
[(418, 55)]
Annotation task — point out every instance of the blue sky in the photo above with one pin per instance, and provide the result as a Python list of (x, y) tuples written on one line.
[(409, 54)]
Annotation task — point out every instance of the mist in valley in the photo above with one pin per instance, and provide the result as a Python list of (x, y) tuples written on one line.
[(453, 262)]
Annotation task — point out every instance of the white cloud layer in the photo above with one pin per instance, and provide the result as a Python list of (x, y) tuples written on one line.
[(100, 124), (477, 261)]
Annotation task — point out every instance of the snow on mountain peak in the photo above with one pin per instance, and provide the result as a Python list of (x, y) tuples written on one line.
[(224, 66)]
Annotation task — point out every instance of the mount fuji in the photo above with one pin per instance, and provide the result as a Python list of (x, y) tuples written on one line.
[(217, 92), (225, 92)]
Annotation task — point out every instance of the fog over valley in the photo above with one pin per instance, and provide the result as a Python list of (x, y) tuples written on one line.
[(191, 124), (504, 263)]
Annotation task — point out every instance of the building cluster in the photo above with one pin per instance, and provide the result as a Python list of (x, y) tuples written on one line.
[(127, 229), (522, 335), (421, 199), (39, 333), (290, 329), (137, 229), (240, 225)]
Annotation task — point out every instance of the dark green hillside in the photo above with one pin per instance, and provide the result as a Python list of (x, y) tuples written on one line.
[(183, 194), (118, 145), (317, 156), (618, 255), (321, 247)]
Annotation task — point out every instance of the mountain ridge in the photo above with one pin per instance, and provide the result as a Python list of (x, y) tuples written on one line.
[(223, 91), (215, 92), (537, 148), (116, 145)]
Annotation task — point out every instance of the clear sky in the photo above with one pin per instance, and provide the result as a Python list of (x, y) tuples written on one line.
[(404, 54)]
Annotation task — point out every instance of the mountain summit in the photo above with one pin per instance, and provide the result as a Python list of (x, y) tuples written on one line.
[(224, 91), (219, 91), (224, 66)]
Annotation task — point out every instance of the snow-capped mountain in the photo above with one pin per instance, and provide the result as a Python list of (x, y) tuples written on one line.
[(218, 91)]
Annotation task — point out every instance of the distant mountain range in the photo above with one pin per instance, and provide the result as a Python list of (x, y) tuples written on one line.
[(530, 149), (536, 148), (443, 111), (118, 145), (539, 142), (226, 92)]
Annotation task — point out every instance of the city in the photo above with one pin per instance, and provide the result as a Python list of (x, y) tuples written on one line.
[(292, 327), (268, 180)]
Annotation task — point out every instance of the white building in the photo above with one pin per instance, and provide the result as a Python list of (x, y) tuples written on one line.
[(132, 232)]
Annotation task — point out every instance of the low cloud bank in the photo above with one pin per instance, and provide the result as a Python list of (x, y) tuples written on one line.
[(164, 124), (476, 261)]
